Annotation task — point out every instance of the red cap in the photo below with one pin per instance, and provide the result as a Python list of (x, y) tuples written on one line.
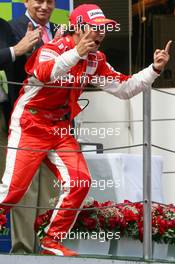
[(90, 14)]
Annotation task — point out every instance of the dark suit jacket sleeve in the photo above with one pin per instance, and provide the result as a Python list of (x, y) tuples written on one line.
[(19, 27), (5, 57), (6, 40)]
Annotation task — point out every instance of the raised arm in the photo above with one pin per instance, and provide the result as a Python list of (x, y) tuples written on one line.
[(126, 87)]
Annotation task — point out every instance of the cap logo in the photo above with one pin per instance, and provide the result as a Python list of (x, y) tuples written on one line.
[(79, 19), (95, 13)]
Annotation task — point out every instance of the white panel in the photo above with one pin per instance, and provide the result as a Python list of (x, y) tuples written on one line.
[(163, 106), (104, 107)]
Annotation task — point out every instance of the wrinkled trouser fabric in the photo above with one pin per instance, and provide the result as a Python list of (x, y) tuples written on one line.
[(69, 168)]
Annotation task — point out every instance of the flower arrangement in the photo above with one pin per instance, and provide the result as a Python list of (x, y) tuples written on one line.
[(41, 222), (100, 219), (3, 221), (126, 218), (163, 223)]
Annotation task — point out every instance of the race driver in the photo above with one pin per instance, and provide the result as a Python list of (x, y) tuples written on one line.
[(46, 105)]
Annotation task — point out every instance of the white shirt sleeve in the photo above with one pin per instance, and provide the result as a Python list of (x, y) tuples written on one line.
[(130, 87), (12, 54), (64, 63)]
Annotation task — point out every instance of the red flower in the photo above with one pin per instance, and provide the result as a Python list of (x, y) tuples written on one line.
[(162, 230), (159, 210), (96, 204), (171, 224), (101, 220), (43, 219), (130, 216), (47, 215), (90, 223), (139, 207), (128, 202), (86, 213), (108, 203), (3, 220), (113, 221), (38, 223), (162, 226)]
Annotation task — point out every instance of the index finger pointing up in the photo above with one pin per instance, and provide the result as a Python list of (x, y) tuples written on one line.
[(86, 36), (168, 45)]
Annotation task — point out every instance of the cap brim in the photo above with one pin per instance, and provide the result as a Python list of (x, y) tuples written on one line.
[(103, 21)]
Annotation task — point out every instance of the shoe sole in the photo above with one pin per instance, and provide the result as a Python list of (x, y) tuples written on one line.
[(46, 252)]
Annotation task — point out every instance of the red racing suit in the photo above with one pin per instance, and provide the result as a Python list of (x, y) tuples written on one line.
[(42, 109)]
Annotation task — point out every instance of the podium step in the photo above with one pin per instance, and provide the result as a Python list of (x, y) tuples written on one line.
[(37, 259)]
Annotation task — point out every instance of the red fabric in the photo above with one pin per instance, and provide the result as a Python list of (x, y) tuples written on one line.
[(36, 135), (52, 247), (52, 98)]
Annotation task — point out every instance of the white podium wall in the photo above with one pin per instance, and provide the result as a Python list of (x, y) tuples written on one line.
[(105, 107), (162, 134)]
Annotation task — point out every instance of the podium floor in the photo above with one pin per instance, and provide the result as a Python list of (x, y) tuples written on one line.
[(83, 259)]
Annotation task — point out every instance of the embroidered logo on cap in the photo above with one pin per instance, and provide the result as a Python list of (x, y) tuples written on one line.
[(95, 13), (79, 19)]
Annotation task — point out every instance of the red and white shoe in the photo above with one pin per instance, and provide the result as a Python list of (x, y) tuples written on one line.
[(53, 247)]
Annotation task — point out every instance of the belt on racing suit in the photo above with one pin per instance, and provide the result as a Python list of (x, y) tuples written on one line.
[(60, 114)]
